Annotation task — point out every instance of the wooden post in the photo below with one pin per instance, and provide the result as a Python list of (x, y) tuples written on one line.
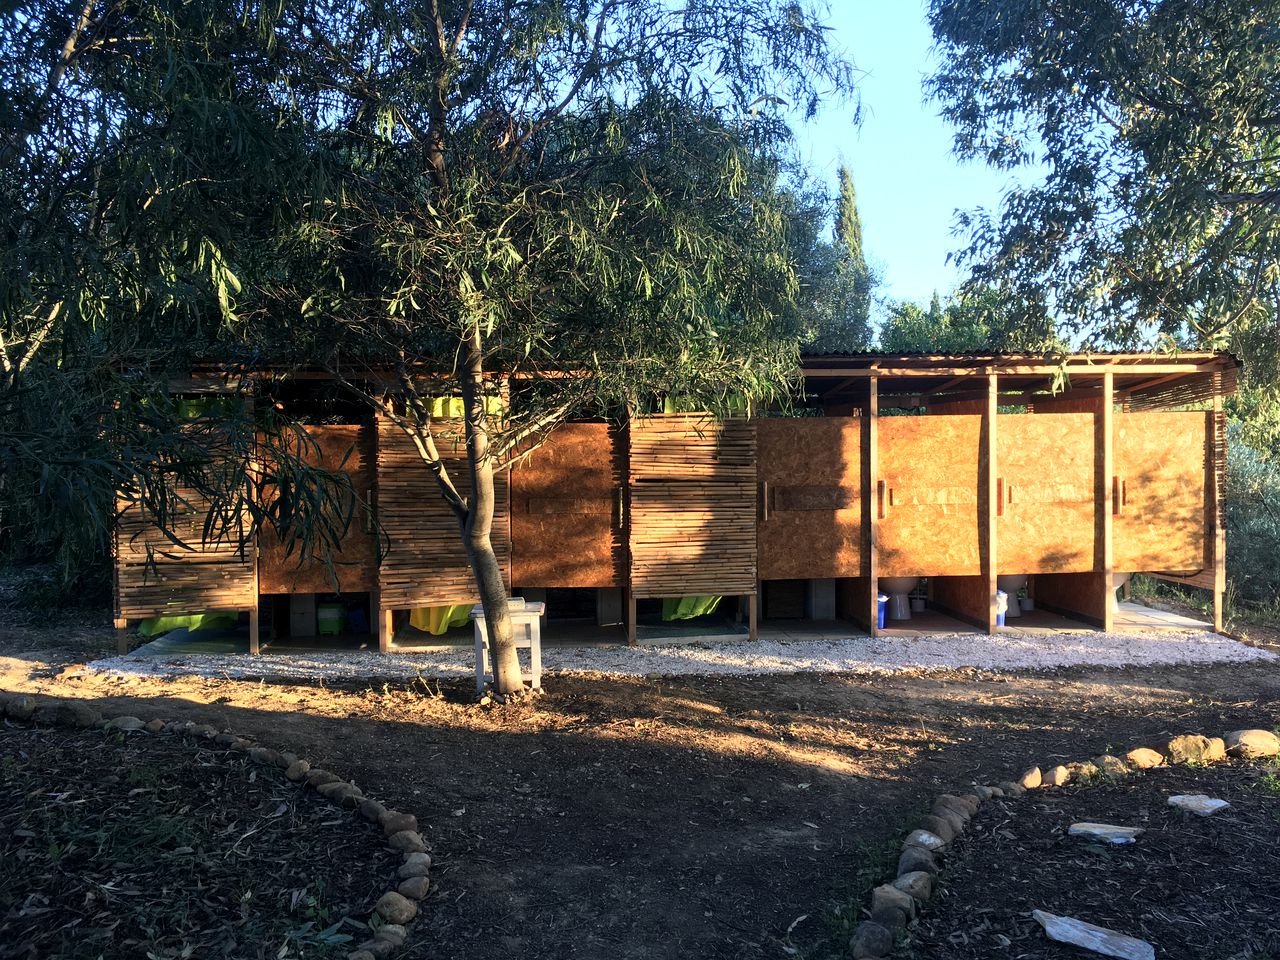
[(253, 628), (121, 625), (753, 623), (386, 629), (989, 473), (631, 617), (869, 512), (1217, 468), (1106, 475)]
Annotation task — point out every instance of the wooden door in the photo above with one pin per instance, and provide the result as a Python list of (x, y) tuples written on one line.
[(1161, 512), (1047, 519), (810, 475), (566, 506), (348, 448), (926, 497)]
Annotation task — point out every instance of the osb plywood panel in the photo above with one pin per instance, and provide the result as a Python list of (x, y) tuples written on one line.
[(1083, 595), (424, 562), (351, 449), (1047, 464), (932, 505), (810, 471), (207, 576), (968, 598), (566, 499), (1161, 459), (692, 516)]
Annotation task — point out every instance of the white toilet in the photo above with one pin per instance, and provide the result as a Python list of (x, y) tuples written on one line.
[(899, 591), (1118, 580), (1011, 583)]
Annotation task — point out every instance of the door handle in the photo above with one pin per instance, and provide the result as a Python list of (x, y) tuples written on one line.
[(764, 500), (1119, 494), (1000, 493), (882, 499)]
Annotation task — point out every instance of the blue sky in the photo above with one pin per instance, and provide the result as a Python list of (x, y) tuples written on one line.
[(909, 183)]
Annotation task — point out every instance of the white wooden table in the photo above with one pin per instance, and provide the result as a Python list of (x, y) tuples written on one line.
[(526, 626)]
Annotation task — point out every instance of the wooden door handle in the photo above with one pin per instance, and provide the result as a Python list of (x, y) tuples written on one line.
[(999, 496), (1118, 495), (882, 499)]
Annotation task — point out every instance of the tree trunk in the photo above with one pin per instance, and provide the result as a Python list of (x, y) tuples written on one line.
[(479, 525)]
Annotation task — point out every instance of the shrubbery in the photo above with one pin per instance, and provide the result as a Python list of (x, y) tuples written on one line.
[(1253, 522)]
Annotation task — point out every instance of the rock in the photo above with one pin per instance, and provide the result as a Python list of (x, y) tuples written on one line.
[(395, 908), (126, 724), (20, 708), (361, 955), (342, 793), (1110, 766), (1012, 789), (225, 739), (887, 895), (892, 919), (938, 827), (265, 755), (1083, 771), (297, 771), (1193, 748), (915, 859), (1031, 779), (379, 948), (392, 932), (176, 726), (1098, 939), (372, 810), (241, 745), (393, 821), (415, 888), (918, 885), (986, 793), (965, 806), (996, 791), (202, 730), (153, 726), (1059, 776), (407, 841), (870, 940), (1252, 744), (416, 864), (1106, 831), (67, 713), (317, 778), (1198, 804), (923, 838), (1143, 758)]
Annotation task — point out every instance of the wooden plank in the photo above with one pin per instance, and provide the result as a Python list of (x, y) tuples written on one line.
[(810, 475), (870, 514), (1217, 473), (1106, 456), (989, 543), (566, 498), (350, 448)]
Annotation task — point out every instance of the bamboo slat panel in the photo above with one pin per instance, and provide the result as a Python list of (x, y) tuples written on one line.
[(351, 448), (424, 562), (931, 469), (811, 488), (1162, 461), (566, 499), (1047, 467), (180, 580), (692, 487)]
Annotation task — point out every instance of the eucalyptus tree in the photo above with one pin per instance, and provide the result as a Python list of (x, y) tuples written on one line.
[(581, 199), (1149, 136)]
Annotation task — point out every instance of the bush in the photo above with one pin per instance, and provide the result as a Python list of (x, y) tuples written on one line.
[(1253, 522)]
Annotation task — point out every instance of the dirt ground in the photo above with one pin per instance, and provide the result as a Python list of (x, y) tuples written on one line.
[(662, 818), (1196, 888)]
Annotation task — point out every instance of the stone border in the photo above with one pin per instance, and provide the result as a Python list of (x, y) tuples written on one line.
[(396, 908), (895, 904)]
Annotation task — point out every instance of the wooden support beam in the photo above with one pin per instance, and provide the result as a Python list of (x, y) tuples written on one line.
[(254, 648), (1218, 527), (631, 617), (121, 625), (871, 462), (386, 630), (1105, 440), (988, 544), (753, 616), (980, 368)]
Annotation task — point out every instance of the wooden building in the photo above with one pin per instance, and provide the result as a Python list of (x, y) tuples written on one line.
[(959, 469)]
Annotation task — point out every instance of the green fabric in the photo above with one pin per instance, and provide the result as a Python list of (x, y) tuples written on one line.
[(453, 408), (155, 626), (331, 619), (686, 608)]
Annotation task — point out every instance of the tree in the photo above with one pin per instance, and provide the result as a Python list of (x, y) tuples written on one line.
[(559, 208), (1150, 133), (838, 276), (974, 319)]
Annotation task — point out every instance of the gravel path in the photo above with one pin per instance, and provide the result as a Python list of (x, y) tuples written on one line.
[(864, 655)]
